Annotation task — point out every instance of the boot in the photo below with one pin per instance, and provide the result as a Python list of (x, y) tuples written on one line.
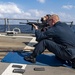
[(73, 63), (61, 60), (30, 59), (67, 62)]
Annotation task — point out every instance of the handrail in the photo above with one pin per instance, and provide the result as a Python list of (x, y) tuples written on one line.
[(9, 21)]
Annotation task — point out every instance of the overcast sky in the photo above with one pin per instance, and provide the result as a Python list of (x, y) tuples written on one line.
[(37, 8)]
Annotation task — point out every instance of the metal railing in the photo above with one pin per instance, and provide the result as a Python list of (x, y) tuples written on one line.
[(7, 22)]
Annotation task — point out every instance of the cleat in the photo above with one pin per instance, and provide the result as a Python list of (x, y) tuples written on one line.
[(18, 71), (39, 69), (17, 66)]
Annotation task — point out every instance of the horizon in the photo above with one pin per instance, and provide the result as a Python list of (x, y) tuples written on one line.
[(35, 9)]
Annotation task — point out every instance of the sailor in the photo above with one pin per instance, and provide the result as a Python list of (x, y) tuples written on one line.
[(62, 43), (44, 22)]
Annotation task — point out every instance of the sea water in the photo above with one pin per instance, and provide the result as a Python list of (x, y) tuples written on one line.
[(23, 28)]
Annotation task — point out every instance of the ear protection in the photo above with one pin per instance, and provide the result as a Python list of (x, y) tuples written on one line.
[(48, 15)]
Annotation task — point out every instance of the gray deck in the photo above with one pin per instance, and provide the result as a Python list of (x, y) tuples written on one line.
[(29, 70), (10, 42), (18, 41)]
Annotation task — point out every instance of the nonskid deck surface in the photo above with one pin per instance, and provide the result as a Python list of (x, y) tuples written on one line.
[(49, 63), (15, 43), (7, 69), (18, 41)]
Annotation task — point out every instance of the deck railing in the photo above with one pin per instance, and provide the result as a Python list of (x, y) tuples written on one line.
[(7, 22)]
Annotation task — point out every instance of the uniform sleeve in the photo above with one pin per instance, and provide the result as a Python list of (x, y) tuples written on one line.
[(44, 35)]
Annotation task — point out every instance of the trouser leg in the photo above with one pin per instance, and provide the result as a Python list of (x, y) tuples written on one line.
[(52, 47), (39, 48)]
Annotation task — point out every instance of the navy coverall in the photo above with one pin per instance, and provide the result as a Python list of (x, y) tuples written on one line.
[(62, 43)]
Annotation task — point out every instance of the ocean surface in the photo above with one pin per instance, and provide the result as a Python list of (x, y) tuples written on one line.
[(23, 28)]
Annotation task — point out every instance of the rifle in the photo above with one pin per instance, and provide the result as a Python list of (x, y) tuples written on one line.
[(40, 25)]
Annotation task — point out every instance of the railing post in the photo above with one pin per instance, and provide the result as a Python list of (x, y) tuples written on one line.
[(5, 20), (8, 24)]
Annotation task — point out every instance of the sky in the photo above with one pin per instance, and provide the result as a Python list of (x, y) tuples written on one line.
[(35, 9)]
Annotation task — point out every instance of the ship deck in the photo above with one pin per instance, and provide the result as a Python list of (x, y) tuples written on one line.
[(22, 42)]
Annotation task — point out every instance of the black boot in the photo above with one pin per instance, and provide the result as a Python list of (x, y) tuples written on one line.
[(30, 58), (67, 62), (73, 63), (61, 60)]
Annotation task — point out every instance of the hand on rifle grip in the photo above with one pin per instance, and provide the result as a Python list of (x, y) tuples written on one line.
[(36, 27)]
